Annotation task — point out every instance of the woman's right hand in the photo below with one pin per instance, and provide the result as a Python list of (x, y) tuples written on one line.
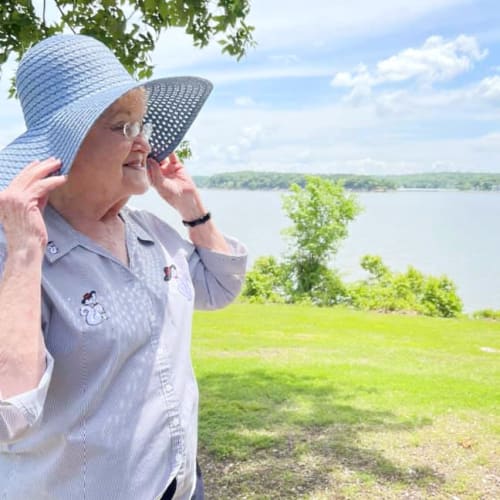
[(23, 201)]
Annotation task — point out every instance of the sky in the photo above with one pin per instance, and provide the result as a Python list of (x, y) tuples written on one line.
[(342, 86)]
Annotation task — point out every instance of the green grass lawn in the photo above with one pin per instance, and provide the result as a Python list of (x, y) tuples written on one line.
[(304, 402)]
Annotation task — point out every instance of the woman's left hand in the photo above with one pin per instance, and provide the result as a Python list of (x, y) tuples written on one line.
[(176, 186)]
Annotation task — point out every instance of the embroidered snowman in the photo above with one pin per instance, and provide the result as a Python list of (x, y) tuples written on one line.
[(93, 312)]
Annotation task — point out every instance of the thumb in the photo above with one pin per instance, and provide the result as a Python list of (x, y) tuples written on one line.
[(154, 172)]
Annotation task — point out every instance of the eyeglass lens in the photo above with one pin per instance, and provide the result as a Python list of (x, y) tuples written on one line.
[(132, 130)]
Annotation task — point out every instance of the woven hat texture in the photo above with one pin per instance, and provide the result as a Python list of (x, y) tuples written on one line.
[(65, 82)]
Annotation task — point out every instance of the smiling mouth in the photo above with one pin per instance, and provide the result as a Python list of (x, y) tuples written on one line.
[(135, 166)]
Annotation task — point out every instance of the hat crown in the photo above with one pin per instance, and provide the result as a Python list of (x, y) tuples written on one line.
[(62, 69)]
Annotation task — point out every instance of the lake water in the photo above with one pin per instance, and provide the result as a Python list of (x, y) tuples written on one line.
[(438, 232)]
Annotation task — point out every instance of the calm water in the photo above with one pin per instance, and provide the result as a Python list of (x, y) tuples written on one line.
[(438, 232)]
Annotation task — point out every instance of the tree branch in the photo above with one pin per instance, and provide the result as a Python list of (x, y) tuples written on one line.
[(59, 8)]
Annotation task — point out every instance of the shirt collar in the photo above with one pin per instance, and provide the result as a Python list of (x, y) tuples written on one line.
[(142, 235), (62, 237)]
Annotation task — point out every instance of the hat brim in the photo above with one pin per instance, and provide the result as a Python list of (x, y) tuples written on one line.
[(173, 104)]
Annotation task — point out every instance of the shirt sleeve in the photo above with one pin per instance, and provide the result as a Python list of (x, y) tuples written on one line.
[(21, 412), (217, 277)]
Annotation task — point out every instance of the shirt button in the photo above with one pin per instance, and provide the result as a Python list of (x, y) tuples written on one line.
[(169, 388), (176, 421), (52, 247)]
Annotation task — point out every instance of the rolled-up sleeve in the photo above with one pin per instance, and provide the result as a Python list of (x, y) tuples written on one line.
[(20, 413), (218, 277)]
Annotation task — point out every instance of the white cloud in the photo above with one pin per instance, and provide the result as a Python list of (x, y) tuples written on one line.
[(244, 101), (436, 60), (424, 104), (475, 101), (284, 58), (291, 35), (444, 166), (236, 147), (489, 143), (371, 166), (399, 131), (380, 127), (489, 88), (234, 74), (361, 83), (250, 135)]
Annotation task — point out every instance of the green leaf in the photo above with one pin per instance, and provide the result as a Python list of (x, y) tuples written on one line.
[(21, 25)]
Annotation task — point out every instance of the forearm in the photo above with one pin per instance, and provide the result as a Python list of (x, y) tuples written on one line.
[(218, 278), (204, 235), (22, 348)]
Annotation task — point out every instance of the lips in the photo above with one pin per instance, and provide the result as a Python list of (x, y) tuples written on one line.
[(136, 165)]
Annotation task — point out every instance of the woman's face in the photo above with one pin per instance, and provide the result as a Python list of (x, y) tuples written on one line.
[(109, 166)]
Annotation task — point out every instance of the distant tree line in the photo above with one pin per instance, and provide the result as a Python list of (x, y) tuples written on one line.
[(282, 181)]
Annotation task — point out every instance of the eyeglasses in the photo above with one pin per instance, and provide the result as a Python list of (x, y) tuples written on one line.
[(131, 130)]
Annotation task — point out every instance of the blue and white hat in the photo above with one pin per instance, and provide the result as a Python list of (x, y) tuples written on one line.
[(65, 82)]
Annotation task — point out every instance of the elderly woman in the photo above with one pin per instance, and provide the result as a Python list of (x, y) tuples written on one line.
[(98, 398)]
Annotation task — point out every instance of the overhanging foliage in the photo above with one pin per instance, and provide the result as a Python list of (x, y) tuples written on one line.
[(128, 27)]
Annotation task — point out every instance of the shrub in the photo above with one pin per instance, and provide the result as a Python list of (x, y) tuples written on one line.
[(328, 289), (440, 298), (387, 291), (265, 281), (487, 314)]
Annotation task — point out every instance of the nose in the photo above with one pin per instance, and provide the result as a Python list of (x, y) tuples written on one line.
[(141, 144)]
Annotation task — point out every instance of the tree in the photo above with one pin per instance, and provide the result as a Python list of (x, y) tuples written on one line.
[(128, 27), (320, 212)]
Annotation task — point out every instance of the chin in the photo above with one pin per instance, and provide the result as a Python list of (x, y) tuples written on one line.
[(137, 186), (140, 190)]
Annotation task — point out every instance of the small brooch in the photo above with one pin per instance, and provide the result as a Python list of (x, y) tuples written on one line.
[(169, 272)]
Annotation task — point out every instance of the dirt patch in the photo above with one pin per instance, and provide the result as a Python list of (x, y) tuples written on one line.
[(454, 457)]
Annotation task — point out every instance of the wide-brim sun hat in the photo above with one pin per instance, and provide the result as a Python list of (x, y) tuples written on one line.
[(65, 82)]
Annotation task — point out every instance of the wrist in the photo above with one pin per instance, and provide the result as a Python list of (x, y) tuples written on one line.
[(191, 207), (25, 255), (198, 221)]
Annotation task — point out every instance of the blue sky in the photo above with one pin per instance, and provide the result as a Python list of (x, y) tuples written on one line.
[(337, 86)]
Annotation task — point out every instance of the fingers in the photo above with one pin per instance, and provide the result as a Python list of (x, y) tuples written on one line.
[(32, 185), (45, 186), (37, 179), (36, 170), (154, 171), (159, 171), (172, 158)]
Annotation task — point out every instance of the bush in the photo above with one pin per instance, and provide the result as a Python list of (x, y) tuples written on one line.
[(265, 281), (326, 290), (411, 291), (271, 281), (487, 314), (440, 298)]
